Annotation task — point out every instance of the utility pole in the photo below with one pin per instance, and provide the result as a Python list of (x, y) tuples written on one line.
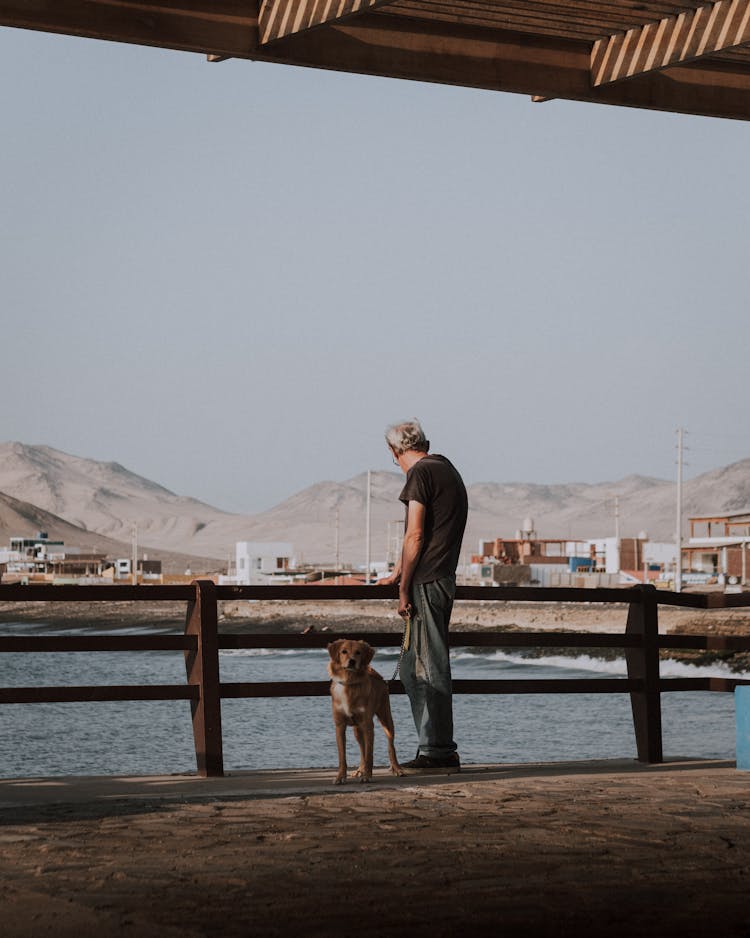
[(336, 545), (135, 554), (617, 534), (367, 526), (678, 532)]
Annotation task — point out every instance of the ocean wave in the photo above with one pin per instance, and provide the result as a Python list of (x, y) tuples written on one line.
[(617, 667), (270, 652), (282, 652), (464, 658)]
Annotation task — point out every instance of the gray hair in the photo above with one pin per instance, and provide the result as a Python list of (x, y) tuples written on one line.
[(407, 435)]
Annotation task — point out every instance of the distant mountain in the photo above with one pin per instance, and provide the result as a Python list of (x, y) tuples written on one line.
[(20, 519), (101, 496), (106, 499)]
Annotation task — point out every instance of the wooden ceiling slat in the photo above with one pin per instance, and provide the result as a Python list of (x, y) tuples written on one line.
[(567, 19), (279, 18), (538, 25)]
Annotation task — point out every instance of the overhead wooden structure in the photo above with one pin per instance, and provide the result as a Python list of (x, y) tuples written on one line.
[(691, 58)]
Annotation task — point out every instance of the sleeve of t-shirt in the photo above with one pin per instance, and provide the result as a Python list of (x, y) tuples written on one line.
[(417, 488)]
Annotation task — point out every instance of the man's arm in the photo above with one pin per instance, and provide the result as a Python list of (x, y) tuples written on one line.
[(393, 577), (413, 543)]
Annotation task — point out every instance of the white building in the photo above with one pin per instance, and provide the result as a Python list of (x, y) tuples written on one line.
[(261, 562)]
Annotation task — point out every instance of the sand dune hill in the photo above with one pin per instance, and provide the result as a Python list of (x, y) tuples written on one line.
[(20, 519), (101, 496), (106, 499)]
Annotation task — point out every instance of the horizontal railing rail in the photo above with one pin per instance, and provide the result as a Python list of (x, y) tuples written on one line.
[(202, 642), (524, 594), (98, 693)]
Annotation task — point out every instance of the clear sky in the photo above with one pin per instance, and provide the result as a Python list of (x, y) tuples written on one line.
[(230, 277)]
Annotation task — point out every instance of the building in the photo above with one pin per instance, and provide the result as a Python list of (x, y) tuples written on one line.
[(50, 560), (527, 548), (148, 571), (259, 563), (33, 554), (718, 547), (530, 560)]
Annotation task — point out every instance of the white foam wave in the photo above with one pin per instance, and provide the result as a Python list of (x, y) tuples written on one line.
[(617, 667), (286, 652), (268, 652), (464, 657), (671, 668)]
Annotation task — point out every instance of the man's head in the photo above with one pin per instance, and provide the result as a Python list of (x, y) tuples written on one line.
[(405, 437)]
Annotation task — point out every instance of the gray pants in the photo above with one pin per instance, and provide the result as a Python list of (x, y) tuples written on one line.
[(426, 669)]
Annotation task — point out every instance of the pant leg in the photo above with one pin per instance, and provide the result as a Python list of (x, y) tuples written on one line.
[(426, 670)]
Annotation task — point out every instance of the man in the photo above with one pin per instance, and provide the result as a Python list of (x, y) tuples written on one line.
[(436, 508)]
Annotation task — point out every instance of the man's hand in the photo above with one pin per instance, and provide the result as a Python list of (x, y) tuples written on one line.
[(389, 580), (404, 606)]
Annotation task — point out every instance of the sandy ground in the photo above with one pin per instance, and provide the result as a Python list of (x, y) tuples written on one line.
[(592, 849), (482, 615)]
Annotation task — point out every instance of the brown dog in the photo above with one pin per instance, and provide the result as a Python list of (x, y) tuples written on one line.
[(358, 694)]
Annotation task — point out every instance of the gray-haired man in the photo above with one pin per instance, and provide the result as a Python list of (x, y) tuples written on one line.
[(436, 506)]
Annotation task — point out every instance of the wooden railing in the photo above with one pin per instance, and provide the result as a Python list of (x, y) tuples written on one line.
[(202, 642)]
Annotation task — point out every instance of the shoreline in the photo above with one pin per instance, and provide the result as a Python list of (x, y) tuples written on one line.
[(293, 617)]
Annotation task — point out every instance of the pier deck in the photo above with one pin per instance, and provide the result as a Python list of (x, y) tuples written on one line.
[(597, 848)]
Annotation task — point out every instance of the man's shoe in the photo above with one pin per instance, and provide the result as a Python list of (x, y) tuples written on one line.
[(447, 765)]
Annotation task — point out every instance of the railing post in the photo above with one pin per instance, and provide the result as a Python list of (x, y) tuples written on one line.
[(643, 665), (202, 665)]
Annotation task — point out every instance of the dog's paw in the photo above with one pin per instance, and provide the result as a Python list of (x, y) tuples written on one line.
[(340, 779), (364, 777), (397, 770)]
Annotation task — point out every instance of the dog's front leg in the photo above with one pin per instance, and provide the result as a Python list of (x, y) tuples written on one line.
[(368, 732), (362, 768), (341, 744)]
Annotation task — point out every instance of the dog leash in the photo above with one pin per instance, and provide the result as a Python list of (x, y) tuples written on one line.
[(404, 645)]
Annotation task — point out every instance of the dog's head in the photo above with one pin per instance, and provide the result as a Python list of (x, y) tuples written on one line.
[(350, 655)]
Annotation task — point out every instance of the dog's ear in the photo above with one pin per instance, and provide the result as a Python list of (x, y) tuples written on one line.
[(369, 653), (335, 647)]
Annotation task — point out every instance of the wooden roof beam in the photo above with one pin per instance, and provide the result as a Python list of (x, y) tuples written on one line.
[(280, 18), (690, 35)]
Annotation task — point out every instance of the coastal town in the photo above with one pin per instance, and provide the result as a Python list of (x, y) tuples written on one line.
[(715, 554)]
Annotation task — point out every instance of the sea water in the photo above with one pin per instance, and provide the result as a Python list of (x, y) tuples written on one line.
[(155, 737)]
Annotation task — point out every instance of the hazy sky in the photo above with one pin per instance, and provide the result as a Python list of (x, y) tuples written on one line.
[(231, 277)]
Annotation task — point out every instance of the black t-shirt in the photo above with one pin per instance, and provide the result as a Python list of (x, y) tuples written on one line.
[(435, 483)]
